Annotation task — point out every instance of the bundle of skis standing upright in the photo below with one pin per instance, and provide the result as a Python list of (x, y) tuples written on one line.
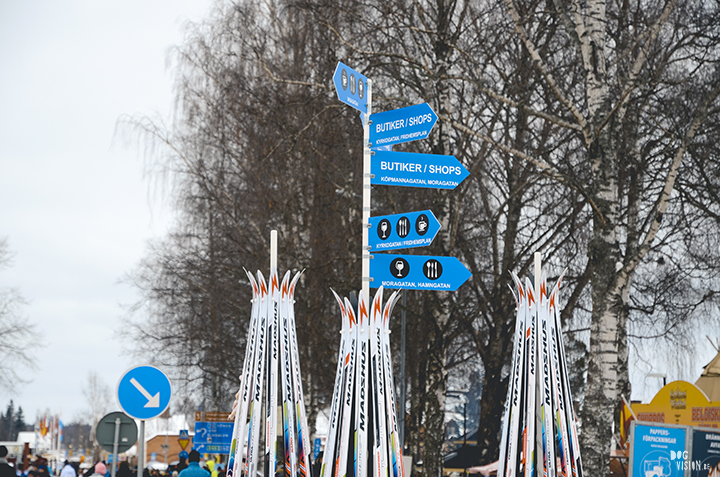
[(272, 342), (539, 435), (363, 436)]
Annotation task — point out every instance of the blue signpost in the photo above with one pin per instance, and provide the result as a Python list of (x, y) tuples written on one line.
[(417, 272), (410, 230), (410, 169), (144, 392), (383, 166), (401, 125), (213, 437), (351, 87), (356, 90), (316, 448)]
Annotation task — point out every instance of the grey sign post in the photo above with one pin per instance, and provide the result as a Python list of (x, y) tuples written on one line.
[(355, 90), (116, 433)]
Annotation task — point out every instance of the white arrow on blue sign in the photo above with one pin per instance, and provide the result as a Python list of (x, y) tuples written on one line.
[(409, 230), (351, 87), (410, 169), (213, 437), (417, 272), (144, 392), (402, 125)]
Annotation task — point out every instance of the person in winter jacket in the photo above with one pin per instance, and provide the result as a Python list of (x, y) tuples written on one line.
[(100, 470), (6, 470), (194, 469), (68, 470), (123, 470)]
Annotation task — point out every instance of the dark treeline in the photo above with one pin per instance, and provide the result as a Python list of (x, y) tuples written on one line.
[(12, 421), (587, 128)]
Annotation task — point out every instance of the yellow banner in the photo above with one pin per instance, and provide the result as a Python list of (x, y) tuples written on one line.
[(680, 402)]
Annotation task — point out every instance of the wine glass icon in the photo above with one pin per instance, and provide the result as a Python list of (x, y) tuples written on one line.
[(399, 265), (383, 227)]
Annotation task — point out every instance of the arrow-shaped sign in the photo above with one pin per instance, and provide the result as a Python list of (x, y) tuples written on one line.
[(417, 272), (401, 125), (351, 87), (153, 401), (410, 169), (409, 230)]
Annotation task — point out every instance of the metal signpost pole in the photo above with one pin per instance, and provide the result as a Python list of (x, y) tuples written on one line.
[(273, 250), (141, 447), (538, 420), (367, 187), (538, 273), (116, 441), (401, 411)]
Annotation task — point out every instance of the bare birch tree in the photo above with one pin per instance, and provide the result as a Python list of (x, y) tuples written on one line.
[(98, 397), (649, 82), (15, 330)]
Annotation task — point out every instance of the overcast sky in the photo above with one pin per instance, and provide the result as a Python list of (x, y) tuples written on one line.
[(74, 205)]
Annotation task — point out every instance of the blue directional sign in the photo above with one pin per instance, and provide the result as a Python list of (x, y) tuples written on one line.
[(351, 87), (401, 125), (417, 272), (656, 450), (213, 437), (410, 169), (144, 392), (413, 229)]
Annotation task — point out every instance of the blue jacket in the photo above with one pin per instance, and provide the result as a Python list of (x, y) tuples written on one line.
[(194, 470)]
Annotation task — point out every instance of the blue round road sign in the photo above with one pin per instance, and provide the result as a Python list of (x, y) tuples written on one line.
[(144, 392)]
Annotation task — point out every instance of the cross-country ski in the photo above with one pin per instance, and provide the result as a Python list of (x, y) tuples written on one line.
[(259, 365), (391, 410), (545, 445), (348, 393), (271, 359), (272, 376), (239, 438), (363, 428), (336, 406), (303, 440), (287, 384)]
